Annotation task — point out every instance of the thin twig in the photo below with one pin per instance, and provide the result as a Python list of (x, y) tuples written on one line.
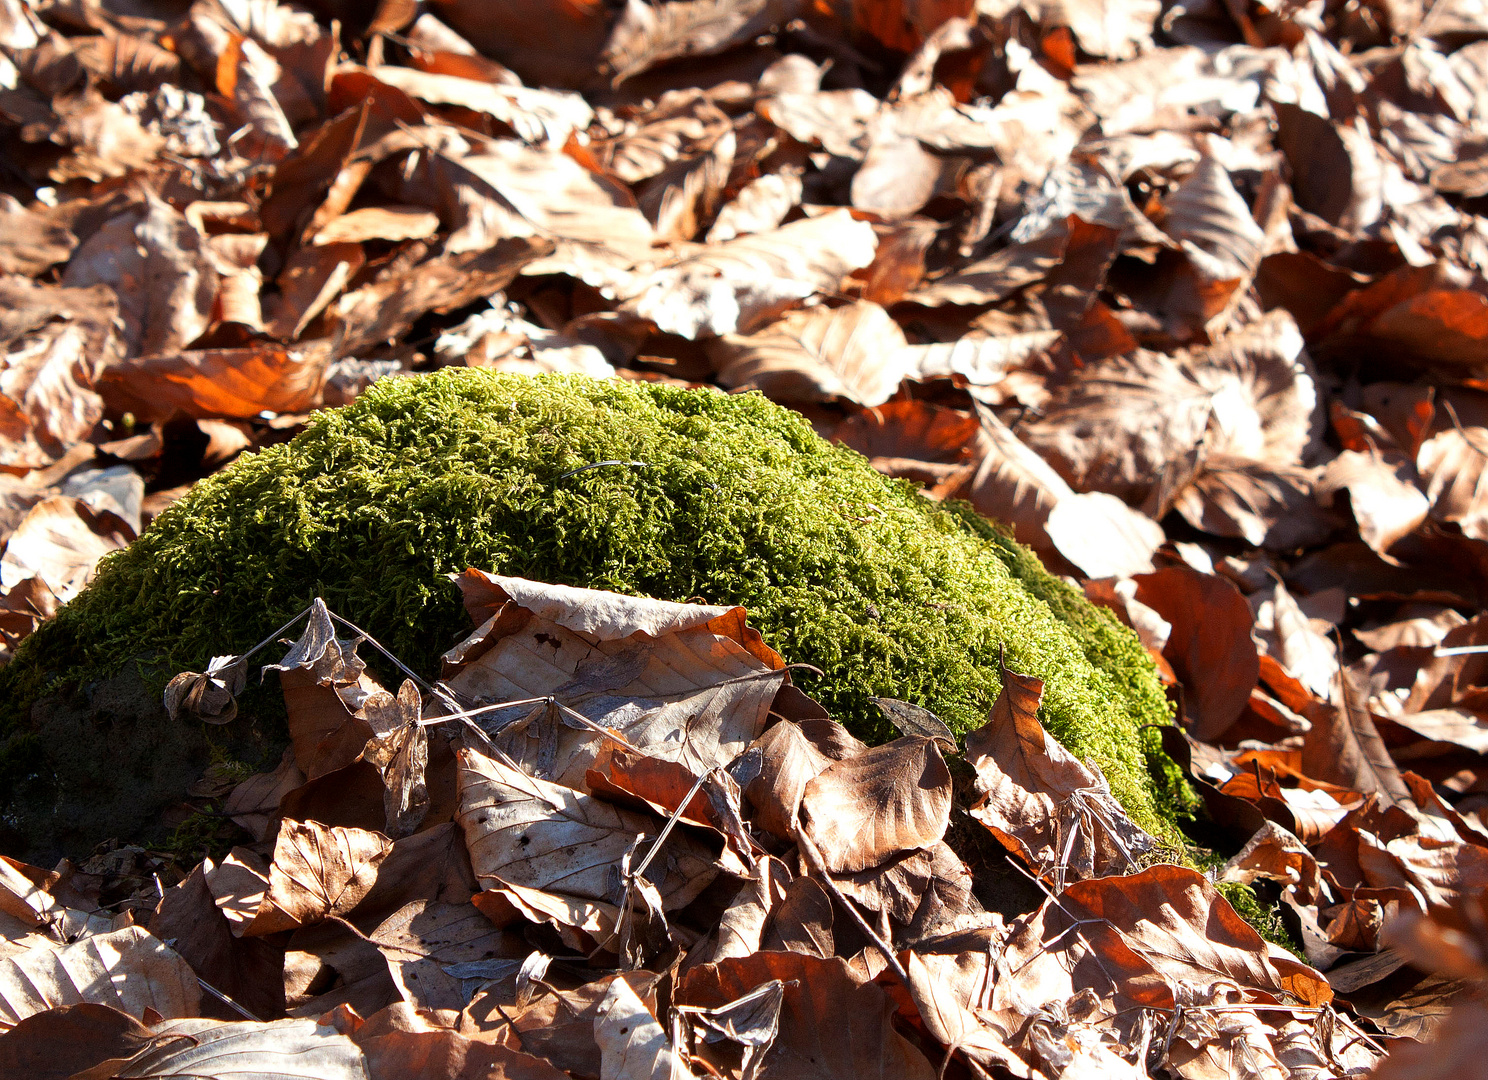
[(813, 856)]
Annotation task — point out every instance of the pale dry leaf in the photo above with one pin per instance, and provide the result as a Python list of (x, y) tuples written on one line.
[(1113, 29), (127, 969), (379, 223), (1270, 506), (439, 954), (792, 755), (865, 809), (855, 353), (760, 206), (1207, 212), (1452, 465), (47, 377), (278, 1050), (60, 540), (632, 1043), (836, 120), (1344, 747), (1386, 503), (737, 286), (531, 833), (159, 267), (1284, 632), (681, 198), (1103, 536), (646, 34), (31, 242), (1118, 425), (538, 116)]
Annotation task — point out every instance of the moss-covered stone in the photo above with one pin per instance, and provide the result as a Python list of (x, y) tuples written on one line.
[(738, 502)]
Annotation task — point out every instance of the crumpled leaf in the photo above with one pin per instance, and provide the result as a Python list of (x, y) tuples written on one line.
[(1040, 801)]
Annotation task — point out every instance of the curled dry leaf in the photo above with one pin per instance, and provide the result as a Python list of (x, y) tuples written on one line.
[(1037, 798), (792, 756), (887, 799), (832, 1025)]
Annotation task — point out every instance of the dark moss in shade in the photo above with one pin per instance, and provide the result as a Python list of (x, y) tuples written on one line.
[(739, 502)]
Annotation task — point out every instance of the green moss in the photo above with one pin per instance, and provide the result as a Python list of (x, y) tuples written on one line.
[(739, 502)]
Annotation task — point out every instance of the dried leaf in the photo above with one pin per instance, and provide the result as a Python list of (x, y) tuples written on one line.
[(739, 285), (530, 833), (128, 969), (891, 798), (1039, 800), (317, 872), (853, 353)]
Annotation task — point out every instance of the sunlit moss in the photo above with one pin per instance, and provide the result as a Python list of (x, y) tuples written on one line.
[(738, 501)]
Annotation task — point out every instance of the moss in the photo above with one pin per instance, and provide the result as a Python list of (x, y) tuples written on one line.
[(738, 502)]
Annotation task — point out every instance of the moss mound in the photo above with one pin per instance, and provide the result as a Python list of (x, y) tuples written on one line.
[(739, 502)]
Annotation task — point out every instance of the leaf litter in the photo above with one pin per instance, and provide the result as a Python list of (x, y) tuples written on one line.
[(1192, 299)]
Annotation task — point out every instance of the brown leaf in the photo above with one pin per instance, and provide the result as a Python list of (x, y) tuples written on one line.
[(831, 1025), (888, 799), (31, 242), (739, 285), (632, 1044), (1386, 502), (645, 35), (761, 205), (158, 265), (537, 115), (1210, 647), (792, 755), (683, 197), (1271, 506), (60, 540), (228, 383), (128, 969), (317, 872), (385, 309), (1039, 800), (701, 676), (439, 953), (853, 353), (1344, 747), (248, 970), (379, 223)]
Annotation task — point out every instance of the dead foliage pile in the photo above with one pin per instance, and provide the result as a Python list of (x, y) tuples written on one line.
[(1192, 295)]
